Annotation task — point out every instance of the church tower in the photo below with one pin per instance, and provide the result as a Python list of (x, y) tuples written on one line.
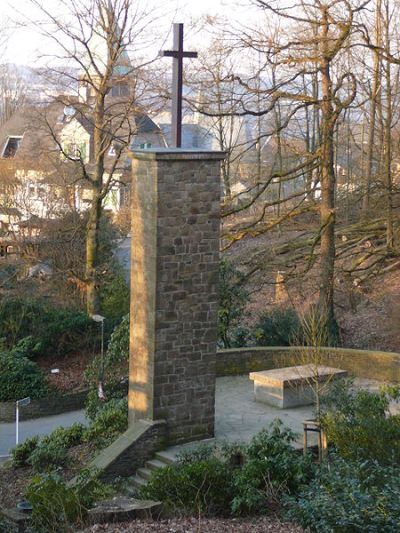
[(107, 53)]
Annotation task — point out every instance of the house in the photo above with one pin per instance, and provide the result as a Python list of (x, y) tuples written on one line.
[(47, 150)]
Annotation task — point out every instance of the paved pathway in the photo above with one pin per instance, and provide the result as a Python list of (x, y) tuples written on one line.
[(239, 417), (123, 255), (39, 426)]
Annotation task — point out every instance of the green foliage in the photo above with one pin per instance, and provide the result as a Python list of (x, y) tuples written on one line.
[(356, 423), (203, 486), (49, 452), (109, 423), (20, 377), (111, 372), (53, 331), (48, 456), (278, 327), (61, 508), (349, 497), (115, 296), (233, 479), (22, 452), (272, 468), (202, 452), (66, 437), (241, 336), (232, 300)]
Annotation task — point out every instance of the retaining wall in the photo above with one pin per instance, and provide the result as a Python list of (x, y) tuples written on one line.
[(372, 364), (383, 366), (51, 405)]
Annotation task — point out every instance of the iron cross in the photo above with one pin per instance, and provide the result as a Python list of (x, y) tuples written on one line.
[(178, 55)]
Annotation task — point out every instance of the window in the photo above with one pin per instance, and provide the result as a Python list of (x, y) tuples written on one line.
[(11, 146), (120, 89), (76, 151)]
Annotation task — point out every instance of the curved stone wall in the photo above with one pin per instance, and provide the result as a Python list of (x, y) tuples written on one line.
[(384, 366)]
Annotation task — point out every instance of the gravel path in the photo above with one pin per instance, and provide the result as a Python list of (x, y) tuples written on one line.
[(192, 525)]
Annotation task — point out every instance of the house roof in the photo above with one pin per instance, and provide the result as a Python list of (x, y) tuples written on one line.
[(40, 128), (10, 211)]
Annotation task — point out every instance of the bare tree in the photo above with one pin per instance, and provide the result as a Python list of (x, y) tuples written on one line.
[(12, 92), (95, 38)]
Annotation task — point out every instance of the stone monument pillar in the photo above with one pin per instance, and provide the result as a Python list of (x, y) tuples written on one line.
[(174, 289)]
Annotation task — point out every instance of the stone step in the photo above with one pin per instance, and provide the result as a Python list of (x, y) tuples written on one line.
[(167, 457), (144, 473), (138, 482), (154, 464)]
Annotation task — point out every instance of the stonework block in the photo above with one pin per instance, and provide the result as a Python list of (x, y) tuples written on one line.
[(174, 289)]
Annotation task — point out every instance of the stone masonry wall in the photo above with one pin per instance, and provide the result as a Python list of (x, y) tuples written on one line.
[(174, 276), (372, 364), (51, 405)]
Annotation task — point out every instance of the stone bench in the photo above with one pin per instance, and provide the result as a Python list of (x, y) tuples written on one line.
[(291, 386)]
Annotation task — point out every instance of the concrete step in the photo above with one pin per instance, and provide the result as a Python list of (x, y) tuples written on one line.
[(167, 457), (144, 473), (154, 464), (138, 482)]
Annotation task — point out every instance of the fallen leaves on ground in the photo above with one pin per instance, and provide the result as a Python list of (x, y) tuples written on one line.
[(193, 525)]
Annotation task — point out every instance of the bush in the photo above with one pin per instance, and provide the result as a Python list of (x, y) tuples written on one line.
[(22, 452), (349, 497), (111, 372), (111, 421), (61, 508), (232, 300), (357, 425), (272, 469), (203, 486), (66, 437), (50, 451), (20, 377), (278, 327), (54, 331), (48, 456), (233, 479), (115, 295)]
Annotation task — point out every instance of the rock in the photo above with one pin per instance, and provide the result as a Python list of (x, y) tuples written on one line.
[(41, 271), (120, 509)]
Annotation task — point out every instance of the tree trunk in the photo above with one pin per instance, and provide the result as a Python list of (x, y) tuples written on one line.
[(327, 206), (92, 253), (388, 143), (95, 213), (376, 89)]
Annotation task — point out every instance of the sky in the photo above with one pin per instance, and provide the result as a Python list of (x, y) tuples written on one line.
[(25, 44)]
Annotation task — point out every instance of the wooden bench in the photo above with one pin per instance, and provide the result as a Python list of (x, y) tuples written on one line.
[(291, 386)]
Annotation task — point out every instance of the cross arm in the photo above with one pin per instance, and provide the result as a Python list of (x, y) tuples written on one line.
[(176, 53)]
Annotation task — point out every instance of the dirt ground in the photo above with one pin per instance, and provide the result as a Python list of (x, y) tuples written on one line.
[(71, 375), (368, 315), (14, 481), (193, 525)]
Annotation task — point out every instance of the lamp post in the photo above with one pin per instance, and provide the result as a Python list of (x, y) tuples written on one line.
[(100, 319), (18, 404)]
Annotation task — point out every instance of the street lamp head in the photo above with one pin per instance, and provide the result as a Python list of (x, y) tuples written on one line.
[(98, 318)]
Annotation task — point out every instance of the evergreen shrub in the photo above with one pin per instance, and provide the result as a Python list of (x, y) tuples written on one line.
[(19, 376), (349, 496)]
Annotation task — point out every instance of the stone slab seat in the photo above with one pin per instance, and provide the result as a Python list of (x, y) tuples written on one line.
[(291, 386)]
